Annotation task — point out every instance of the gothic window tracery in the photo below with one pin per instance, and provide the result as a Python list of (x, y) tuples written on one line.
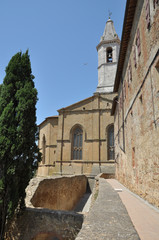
[(110, 137), (77, 143)]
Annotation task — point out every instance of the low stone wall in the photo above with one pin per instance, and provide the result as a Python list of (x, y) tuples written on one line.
[(43, 224), (108, 218), (50, 194), (62, 193)]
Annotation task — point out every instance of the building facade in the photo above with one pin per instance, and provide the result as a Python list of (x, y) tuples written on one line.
[(136, 111), (81, 138)]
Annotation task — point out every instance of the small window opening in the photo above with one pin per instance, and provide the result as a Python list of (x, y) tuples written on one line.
[(138, 42), (155, 3), (157, 66), (147, 7), (109, 55), (132, 113), (43, 148), (133, 157), (141, 98), (157, 94), (135, 58)]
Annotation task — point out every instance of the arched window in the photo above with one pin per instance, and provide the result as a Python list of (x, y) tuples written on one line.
[(77, 140), (43, 148), (109, 55), (110, 137)]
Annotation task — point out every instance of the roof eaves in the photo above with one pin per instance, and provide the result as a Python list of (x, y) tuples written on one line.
[(47, 119), (127, 26), (74, 104)]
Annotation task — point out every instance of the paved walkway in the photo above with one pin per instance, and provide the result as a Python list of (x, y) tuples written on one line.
[(108, 218), (144, 216), (119, 214)]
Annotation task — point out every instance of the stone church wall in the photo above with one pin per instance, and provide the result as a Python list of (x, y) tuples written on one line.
[(48, 129), (137, 113), (93, 116), (88, 118)]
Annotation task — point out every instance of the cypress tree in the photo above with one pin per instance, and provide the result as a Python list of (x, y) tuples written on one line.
[(19, 153)]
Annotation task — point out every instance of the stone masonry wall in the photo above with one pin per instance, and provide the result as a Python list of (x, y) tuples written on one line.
[(61, 193), (137, 114), (39, 224)]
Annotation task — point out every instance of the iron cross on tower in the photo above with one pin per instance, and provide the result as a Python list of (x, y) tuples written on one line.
[(110, 13)]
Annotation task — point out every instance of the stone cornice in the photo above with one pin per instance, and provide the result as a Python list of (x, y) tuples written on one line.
[(87, 111), (103, 64), (87, 140), (107, 42)]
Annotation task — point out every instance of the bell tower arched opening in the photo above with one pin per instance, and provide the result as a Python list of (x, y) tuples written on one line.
[(109, 55)]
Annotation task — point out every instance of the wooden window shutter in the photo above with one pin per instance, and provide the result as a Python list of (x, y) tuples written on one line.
[(135, 56), (148, 13), (138, 43)]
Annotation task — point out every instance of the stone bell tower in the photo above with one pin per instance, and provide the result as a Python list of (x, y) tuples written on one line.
[(108, 52)]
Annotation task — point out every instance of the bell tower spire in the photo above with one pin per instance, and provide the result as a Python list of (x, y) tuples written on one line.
[(108, 52)]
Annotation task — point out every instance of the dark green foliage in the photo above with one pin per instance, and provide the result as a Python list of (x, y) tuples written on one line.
[(19, 153)]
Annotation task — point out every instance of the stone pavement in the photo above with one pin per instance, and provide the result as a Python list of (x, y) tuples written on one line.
[(144, 216), (108, 218)]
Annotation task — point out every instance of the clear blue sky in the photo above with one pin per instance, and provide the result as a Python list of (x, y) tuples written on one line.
[(61, 36)]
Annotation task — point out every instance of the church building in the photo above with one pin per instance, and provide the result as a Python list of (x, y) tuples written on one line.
[(80, 140)]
